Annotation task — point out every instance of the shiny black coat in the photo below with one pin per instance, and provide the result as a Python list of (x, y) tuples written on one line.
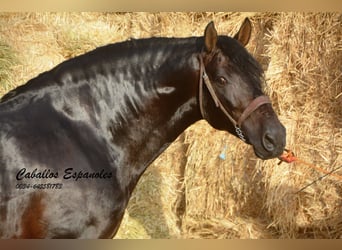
[(110, 111), (75, 140)]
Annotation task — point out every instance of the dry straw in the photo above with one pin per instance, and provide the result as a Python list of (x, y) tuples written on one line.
[(190, 191), (7, 62)]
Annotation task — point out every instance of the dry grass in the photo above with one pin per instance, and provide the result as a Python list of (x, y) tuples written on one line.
[(7, 62), (305, 77), (189, 191)]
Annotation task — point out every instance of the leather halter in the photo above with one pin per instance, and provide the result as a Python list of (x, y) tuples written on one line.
[(252, 106)]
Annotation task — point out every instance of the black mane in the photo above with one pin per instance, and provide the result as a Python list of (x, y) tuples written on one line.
[(242, 61), (125, 52)]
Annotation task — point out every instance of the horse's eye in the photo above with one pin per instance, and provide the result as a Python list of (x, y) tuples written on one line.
[(221, 80)]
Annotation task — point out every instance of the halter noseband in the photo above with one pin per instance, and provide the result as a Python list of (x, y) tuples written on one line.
[(252, 106)]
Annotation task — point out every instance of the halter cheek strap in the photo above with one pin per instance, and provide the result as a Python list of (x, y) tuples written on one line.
[(252, 106)]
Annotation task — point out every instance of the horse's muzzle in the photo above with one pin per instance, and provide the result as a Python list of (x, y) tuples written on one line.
[(272, 143)]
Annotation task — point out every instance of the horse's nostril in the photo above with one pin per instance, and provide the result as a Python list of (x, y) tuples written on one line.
[(268, 142)]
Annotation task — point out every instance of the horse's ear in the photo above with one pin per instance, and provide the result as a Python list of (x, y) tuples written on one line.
[(210, 37), (244, 34)]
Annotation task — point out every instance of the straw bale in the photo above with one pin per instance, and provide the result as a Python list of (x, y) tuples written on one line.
[(305, 81), (208, 184), (7, 62), (32, 42), (221, 228)]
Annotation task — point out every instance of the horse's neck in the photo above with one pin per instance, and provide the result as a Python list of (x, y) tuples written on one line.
[(152, 111)]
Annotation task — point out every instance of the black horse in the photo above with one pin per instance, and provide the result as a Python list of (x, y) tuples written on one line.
[(75, 140)]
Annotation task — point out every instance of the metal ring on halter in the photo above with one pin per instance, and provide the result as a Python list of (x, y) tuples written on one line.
[(239, 133)]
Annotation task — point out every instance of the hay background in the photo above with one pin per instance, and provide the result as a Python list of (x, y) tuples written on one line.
[(189, 192)]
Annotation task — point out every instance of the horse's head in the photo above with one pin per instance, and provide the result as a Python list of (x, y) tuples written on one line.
[(232, 98)]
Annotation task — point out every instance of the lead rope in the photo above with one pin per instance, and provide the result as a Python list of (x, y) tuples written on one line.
[(289, 157)]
